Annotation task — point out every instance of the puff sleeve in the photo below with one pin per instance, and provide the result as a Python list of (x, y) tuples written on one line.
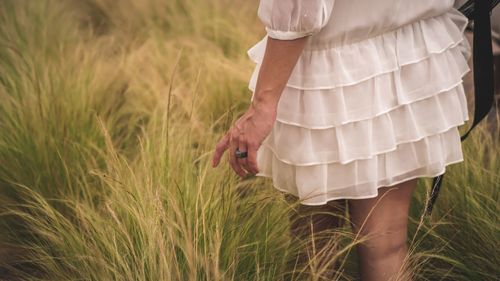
[(292, 19)]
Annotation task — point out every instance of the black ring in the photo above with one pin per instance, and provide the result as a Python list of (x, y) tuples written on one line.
[(240, 154)]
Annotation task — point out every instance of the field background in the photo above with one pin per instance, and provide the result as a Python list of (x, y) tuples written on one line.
[(109, 114)]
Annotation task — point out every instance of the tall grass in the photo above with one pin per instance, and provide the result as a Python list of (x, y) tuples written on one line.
[(108, 117)]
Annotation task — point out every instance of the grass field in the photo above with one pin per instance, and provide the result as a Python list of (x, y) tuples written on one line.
[(109, 114)]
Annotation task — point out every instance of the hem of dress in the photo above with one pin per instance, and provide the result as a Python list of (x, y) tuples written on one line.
[(364, 196)]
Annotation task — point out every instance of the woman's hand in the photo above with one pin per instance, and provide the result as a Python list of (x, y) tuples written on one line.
[(247, 134), (250, 130)]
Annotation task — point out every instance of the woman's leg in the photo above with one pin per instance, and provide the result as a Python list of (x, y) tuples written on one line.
[(385, 220), (308, 224)]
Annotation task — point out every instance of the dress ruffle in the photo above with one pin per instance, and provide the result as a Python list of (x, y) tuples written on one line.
[(344, 129), (302, 146), (339, 66), (332, 107), (317, 184)]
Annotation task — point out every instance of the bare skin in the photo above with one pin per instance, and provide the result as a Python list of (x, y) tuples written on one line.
[(380, 257), (250, 130), (383, 220)]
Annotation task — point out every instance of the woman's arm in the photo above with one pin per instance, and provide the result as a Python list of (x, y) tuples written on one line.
[(252, 128), (279, 60), (289, 23)]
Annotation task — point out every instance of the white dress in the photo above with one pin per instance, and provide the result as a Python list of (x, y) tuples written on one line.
[(375, 98)]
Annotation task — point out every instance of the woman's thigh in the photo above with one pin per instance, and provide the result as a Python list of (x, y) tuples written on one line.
[(385, 216)]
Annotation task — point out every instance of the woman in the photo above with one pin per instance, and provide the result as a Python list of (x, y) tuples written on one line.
[(352, 102)]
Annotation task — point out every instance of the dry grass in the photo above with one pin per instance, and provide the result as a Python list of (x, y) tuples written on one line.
[(108, 117)]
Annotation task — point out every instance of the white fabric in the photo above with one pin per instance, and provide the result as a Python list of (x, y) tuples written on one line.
[(376, 97), (291, 19)]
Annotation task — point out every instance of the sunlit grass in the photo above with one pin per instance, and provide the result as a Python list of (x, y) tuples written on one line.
[(109, 114)]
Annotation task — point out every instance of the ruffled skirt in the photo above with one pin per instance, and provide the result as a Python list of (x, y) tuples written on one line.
[(369, 114)]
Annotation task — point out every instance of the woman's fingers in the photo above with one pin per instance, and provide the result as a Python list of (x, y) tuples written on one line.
[(233, 144), (232, 140), (242, 146), (221, 146), (252, 157)]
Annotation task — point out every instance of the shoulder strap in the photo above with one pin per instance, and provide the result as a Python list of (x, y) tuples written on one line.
[(483, 75)]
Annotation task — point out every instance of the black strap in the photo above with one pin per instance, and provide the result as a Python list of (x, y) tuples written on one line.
[(467, 8), (483, 77)]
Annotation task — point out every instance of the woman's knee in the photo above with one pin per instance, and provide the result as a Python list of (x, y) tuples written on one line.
[(384, 241)]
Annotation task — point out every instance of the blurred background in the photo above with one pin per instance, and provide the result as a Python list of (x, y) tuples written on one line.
[(109, 114)]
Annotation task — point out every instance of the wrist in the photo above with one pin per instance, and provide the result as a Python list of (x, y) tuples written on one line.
[(266, 100), (265, 105)]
